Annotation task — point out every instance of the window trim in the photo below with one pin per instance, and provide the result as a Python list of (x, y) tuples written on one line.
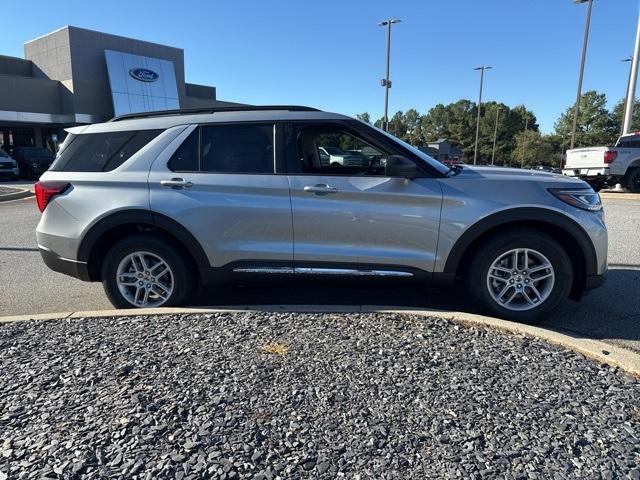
[(370, 137), (199, 126)]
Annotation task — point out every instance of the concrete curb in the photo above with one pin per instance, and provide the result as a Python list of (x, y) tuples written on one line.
[(23, 193), (602, 352), (620, 195)]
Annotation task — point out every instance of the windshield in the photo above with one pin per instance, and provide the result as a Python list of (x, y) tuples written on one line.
[(418, 153)]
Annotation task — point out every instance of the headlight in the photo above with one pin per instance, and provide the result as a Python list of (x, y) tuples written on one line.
[(586, 199)]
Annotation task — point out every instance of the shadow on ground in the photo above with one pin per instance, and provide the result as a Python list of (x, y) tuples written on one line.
[(611, 312)]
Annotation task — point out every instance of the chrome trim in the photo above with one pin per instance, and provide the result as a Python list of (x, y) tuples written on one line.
[(324, 271), (351, 271), (263, 270)]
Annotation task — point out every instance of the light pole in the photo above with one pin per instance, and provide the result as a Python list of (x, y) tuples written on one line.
[(631, 91), (495, 135), (576, 110), (624, 107), (385, 82), (475, 150), (524, 140)]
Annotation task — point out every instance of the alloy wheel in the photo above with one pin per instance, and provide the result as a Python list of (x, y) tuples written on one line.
[(145, 279), (520, 279)]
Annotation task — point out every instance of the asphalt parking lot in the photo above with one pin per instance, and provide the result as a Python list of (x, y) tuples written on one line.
[(610, 313)]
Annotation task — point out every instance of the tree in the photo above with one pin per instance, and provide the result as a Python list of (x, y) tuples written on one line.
[(595, 124), (533, 149), (365, 117), (617, 115)]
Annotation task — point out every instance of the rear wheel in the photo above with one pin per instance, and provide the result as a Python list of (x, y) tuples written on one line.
[(144, 271), (520, 275), (631, 181)]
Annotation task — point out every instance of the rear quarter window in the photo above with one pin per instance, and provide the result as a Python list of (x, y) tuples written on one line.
[(101, 152)]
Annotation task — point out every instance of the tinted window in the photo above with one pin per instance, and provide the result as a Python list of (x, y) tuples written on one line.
[(101, 152), (185, 158), (237, 149)]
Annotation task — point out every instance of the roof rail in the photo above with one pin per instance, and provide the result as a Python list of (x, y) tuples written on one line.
[(205, 110)]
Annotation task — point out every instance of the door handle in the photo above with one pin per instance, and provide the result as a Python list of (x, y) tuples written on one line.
[(176, 183), (320, 188)]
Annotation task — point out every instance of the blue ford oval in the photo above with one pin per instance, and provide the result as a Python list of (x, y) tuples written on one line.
[(144, 74)]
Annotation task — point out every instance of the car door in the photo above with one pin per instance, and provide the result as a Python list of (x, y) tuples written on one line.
[(218, 181), (356, 214)]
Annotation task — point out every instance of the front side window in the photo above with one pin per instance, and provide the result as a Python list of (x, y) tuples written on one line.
[(331, 151), (101, 152)]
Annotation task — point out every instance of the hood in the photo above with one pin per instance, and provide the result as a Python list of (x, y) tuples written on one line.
[(517, 174)]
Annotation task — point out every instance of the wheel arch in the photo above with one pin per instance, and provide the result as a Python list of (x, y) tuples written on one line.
[(564, 230), (115, 226)]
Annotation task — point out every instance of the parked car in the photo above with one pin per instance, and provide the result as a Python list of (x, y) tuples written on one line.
[(546, 168), (335, 157), (33, 161), (8, 166), (151, 204), (607, 166)]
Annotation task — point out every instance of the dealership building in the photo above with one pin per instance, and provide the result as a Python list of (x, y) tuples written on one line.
[(74, 76)]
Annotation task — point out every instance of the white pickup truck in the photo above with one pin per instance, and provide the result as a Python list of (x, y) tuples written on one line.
[(606, 166)]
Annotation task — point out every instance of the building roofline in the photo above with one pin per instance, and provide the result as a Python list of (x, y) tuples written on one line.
[(72, 27)]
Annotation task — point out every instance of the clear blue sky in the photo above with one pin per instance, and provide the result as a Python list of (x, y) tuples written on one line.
[(330, 54)]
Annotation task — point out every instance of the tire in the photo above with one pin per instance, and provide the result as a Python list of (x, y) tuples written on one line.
[(121, 262), (526, 306), (631, 180)]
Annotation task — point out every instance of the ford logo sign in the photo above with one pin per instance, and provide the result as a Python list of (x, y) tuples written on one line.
[(144, 74)]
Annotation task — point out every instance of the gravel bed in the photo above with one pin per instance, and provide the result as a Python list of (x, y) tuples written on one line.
[(274, 395), (7, 190)]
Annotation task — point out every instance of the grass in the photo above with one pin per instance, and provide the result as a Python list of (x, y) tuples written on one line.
[(276, 348)]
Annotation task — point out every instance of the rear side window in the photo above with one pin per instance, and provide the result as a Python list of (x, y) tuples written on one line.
[(242, 148), (101, 152), (237, 149), (185, 158)]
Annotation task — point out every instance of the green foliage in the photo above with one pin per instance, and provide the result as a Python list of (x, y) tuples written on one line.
[(365, 117), (617, 115), (533, 149), (596, 125)]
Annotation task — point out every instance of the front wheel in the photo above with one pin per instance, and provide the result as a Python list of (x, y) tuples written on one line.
[(144, 271), (520, 275)]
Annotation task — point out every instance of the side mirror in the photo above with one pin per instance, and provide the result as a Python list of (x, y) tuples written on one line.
[(399, 166)]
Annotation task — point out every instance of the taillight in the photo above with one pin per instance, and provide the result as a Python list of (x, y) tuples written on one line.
[(610, 156), (45, 191)]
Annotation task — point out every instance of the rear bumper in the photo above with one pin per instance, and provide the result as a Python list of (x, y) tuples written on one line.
[(73, 268), (603, 172)]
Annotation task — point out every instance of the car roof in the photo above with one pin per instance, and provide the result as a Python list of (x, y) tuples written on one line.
[(172, 118)]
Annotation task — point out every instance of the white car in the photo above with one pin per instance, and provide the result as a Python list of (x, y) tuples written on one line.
[(8, 166), (334, 156), (607, 166)]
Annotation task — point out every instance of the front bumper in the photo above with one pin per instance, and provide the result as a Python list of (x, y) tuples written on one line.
[(594, 281), (73, 268)]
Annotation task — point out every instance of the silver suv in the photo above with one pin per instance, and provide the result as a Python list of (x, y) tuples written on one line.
[(152, 204)]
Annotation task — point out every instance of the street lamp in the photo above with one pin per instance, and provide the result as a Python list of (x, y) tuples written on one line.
[(475, 150), (495, 135), (624, 107), (576, 110), (631, 91), (385, 82)]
